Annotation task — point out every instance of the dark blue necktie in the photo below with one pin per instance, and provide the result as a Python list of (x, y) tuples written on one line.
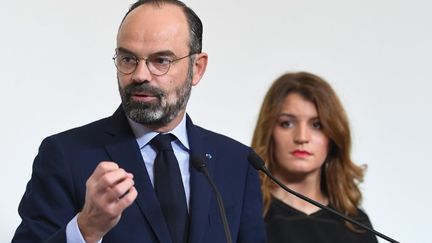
[(169, 188)]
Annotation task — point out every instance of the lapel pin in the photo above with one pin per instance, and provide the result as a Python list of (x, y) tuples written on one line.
[(208, 156)]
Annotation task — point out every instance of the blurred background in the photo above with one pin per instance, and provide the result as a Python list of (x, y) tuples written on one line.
[(57, 73)]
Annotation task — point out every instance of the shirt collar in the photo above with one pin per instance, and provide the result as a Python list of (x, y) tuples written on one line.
[(144, 135)]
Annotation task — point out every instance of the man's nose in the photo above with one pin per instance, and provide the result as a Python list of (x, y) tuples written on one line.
[(141, 73)]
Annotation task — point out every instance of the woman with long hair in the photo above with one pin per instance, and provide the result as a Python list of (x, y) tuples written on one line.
[(303, 135)]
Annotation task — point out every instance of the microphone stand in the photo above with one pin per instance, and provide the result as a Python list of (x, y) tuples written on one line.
[(201, 166)]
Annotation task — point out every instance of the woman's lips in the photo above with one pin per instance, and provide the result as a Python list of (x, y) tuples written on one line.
[(301, 153)]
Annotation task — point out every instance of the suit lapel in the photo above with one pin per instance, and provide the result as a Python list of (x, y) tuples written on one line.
[(124, 150), (200, 188)]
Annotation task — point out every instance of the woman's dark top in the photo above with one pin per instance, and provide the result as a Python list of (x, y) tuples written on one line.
[(286, 224)]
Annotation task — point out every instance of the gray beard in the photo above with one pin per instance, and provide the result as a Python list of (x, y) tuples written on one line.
[(161, 112)]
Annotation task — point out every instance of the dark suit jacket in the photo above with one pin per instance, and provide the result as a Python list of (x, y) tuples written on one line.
[(56, 190)]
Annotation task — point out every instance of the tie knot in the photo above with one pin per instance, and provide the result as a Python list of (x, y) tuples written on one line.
[(162, 141)]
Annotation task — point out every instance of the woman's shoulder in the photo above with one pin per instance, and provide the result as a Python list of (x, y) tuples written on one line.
[(362, 217)]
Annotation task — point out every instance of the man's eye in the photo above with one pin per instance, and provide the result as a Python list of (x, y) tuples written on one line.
[(128, 59), (160, 60)]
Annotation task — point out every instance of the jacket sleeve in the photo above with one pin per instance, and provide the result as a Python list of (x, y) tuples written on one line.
[(49, 201), (252, 228)]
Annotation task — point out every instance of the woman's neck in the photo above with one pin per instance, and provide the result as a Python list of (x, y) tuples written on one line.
[(309, 186)]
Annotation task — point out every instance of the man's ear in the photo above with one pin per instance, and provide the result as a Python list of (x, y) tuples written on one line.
[(199, 67)]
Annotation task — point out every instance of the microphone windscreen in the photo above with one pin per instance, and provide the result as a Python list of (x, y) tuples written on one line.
[(197, 162), (256, 161)]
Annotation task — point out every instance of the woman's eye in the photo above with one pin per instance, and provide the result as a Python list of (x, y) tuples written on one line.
[(317, 125), (286, 124)]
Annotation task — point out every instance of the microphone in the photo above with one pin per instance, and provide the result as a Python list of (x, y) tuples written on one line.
[(258, 164), (201, 166)]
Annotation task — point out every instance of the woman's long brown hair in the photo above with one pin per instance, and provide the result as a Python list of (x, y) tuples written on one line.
[(340, 176)]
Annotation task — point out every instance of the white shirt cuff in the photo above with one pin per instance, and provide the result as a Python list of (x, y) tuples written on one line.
[(73, 234)]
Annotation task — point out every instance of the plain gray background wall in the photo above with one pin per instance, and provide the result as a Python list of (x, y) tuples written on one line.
[(57, 73)]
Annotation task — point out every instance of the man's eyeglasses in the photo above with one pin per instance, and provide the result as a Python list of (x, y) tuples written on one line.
[(158, 65)]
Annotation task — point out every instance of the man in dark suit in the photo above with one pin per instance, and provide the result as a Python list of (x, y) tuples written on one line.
[(100, 182)]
